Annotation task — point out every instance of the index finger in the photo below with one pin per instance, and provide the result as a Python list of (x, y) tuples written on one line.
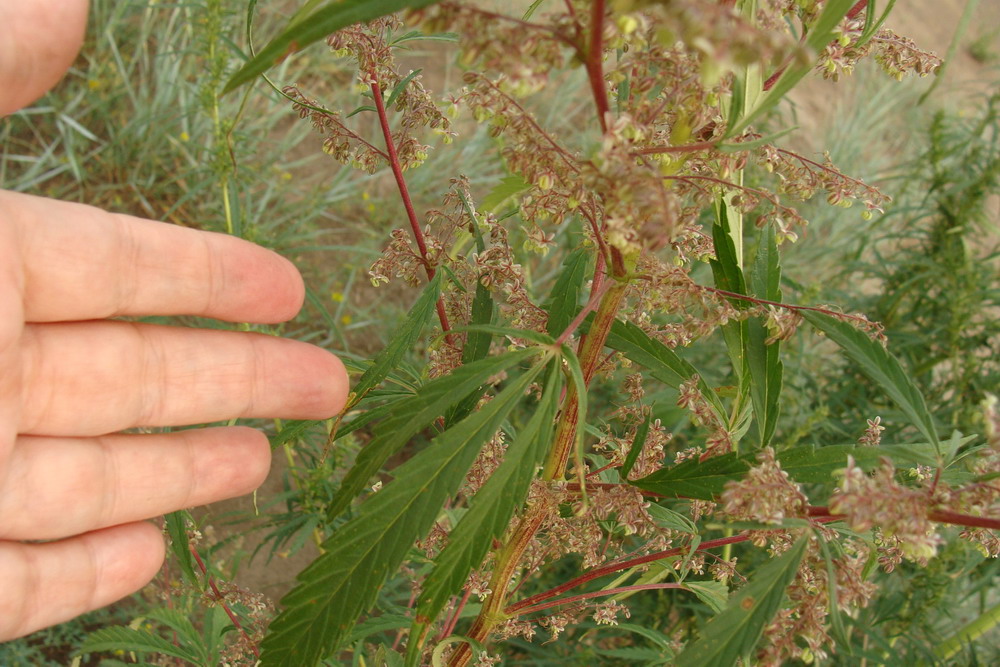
[(78, 262)]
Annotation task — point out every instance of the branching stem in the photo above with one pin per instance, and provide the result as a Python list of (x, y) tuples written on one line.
[(404, 193), (222, 600)]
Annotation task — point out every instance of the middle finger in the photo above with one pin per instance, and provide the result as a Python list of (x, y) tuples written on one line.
[(92, 378)]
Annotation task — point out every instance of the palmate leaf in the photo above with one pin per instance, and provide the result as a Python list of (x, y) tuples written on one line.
[(706, 480), (492, 507), (882, 368), (412, 415), (304, 30), (733, 634), (344, 581)]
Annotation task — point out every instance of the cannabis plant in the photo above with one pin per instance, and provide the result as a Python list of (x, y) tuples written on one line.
[(531, 477)]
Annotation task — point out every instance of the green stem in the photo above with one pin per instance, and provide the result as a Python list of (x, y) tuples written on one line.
[(508, 559), (970, 633), (590, 349)]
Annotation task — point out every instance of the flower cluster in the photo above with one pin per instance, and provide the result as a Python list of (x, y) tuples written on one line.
[(900, 512), (898, 56), (765, 495), (873, 434)]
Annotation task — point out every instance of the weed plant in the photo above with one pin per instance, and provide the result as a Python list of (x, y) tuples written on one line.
[(598, 435)]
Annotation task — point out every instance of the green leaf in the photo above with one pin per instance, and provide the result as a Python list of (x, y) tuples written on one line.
[(405, 337), (293, 430), (882, 368), (477, 346), (344, 581), (477, 343), (835, 615), (820, 34), (184, 628), (729, 277), (706, 480), (176, 523), (582, 394), (511, 332), (401, 86), (120, 638), (726, 265), (668, 518), (762, 359), (492, 507), (564, 299), (734, 633), (306, 29), (508, 187), (412, 415), (383, 623), (663, 363), (713, 593), (636, 448), (361, 109)]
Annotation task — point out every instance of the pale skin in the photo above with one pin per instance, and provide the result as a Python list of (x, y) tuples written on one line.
[(71, 378)]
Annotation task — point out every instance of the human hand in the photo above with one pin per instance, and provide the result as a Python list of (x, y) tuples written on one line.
[(70, 377)]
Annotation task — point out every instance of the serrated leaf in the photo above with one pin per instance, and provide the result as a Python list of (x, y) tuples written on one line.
[(882, 368), (412, 415), (306, 29), (564, 299), (713, 593), (671, 520), (344, 581), (477, 343), (182, 625), (729, 277), (705, 480), (663, 363), (402, 342), (762, 359), (477, 346), (492, 507), (121, 638), (734, 633), (508, 187), (176, 524)]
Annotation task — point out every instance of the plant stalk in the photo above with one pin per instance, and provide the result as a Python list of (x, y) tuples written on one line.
[(404, 194), (509, 557)]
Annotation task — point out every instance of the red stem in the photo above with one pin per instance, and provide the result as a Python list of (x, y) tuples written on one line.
[(595, 62), (596, 594), (404, 193), (592, 303), (222, 600), (788, 306), (450, 626), (617, 566)]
